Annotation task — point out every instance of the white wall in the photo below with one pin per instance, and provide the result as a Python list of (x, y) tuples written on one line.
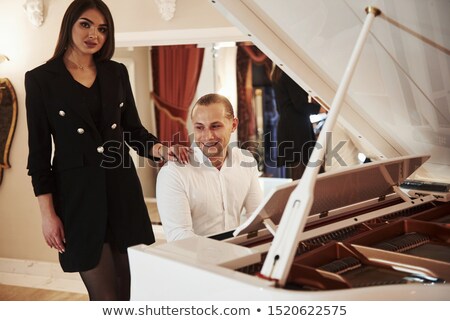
[(28, 47)]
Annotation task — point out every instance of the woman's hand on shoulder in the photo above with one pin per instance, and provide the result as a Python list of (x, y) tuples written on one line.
[(175, 153), (179, 153)]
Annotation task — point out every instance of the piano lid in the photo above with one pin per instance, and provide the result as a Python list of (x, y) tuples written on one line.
[(398, 102), (356, 184)]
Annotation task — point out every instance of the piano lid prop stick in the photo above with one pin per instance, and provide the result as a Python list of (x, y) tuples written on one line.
[(282, 251)]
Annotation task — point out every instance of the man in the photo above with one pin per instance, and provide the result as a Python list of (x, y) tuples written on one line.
[(207, 195)]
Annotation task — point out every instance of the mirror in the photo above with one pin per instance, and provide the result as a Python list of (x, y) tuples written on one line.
[(8, 119)]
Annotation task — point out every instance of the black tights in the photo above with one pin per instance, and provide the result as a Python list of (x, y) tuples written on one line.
[(110, 279)]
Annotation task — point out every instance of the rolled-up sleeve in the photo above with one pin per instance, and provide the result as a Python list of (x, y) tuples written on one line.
[(254, 194), (39, 138)]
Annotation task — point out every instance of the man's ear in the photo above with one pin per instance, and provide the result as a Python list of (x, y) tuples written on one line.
[(235, 124)]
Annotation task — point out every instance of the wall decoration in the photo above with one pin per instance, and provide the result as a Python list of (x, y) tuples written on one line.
[(3, 58), (166, 8), (8, 120), (35, 11)]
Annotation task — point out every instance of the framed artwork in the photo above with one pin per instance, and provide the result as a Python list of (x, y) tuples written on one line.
[(8, 120)]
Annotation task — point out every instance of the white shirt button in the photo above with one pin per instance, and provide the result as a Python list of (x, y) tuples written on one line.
[(114, 126), (121, 105), (80, 131), (62, 113), (100, 149)]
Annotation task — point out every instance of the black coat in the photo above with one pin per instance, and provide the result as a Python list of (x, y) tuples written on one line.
[(295, 134), (91, 175)]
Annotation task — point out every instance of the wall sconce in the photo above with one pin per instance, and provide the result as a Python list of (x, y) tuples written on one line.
[(166, 8), (3, 58), (35, 11)]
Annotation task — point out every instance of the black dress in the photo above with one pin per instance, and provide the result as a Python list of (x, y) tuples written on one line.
[(92, 100), (79, 142)]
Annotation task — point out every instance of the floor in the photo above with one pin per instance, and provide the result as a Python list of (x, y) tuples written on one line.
[(18, 293)]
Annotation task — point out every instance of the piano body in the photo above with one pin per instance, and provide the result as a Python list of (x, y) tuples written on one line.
[(375, 231)]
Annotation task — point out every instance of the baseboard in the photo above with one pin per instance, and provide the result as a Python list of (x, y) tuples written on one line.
[(42, 275)]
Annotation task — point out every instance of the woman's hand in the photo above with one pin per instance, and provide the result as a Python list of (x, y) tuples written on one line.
[(176, 153), (179, 153), (53, 231), (52, 227)]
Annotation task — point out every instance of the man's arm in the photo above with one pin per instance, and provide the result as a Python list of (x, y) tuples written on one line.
[(255, 194), (173, 205)]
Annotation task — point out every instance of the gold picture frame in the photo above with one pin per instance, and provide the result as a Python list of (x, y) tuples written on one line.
[(8, 120)]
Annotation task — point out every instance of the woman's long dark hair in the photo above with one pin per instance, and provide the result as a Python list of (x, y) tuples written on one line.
[(73, 13)]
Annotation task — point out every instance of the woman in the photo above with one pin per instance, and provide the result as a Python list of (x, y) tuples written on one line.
[(89, 195)]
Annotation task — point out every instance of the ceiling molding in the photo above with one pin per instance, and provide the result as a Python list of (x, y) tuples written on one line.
[(178, 37)]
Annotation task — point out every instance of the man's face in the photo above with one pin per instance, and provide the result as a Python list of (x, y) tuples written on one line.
[(212, 129)]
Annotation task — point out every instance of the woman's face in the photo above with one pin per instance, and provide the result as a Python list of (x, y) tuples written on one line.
[(89, 32)]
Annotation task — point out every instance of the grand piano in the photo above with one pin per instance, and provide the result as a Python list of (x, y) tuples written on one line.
[(375, 231)]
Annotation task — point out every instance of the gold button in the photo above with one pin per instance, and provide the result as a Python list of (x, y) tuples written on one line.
[(62, 113), (114, 126), (100, 149), (80, 131)]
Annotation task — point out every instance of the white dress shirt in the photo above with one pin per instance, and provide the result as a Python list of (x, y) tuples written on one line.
[(198, 199)]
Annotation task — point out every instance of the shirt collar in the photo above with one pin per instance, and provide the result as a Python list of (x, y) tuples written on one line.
[(200, 158)]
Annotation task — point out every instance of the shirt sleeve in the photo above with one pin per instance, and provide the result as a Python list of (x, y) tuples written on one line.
[(255, 194), (173, 205)]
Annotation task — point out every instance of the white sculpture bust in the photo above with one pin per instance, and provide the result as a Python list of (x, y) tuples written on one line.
[(35, 11)]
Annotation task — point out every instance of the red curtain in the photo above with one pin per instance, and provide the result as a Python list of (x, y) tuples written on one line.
[(176, 71), (247, 54)]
